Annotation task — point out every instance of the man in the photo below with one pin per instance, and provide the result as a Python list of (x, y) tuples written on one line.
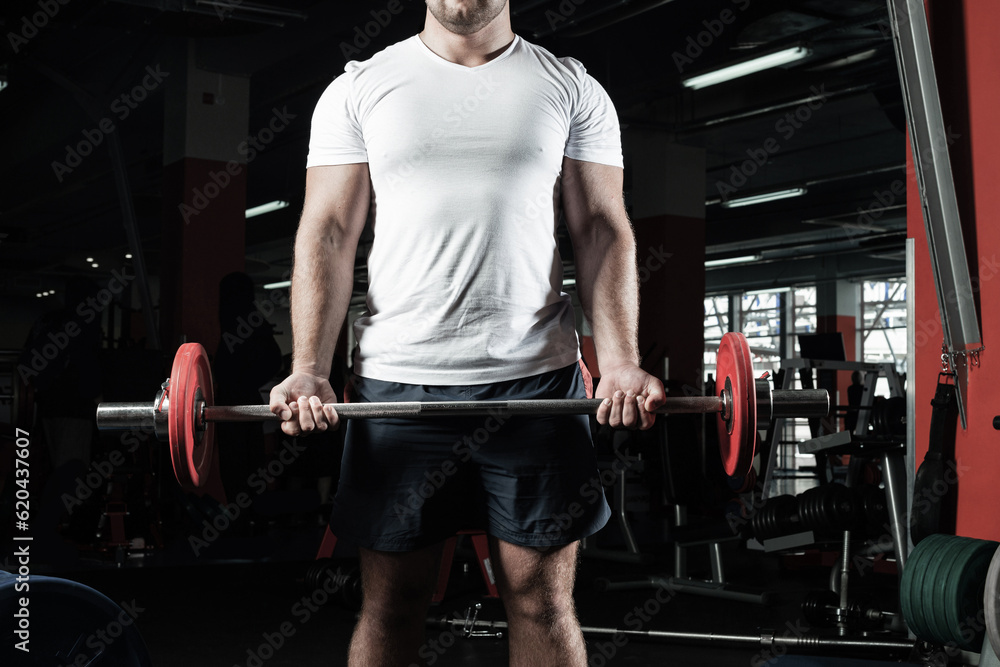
[(467, 139)]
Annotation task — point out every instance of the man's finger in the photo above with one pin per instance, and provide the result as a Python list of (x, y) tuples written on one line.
[(647, 419), (630, 411), (306, 421), (615, 420), (604, 411), (279, 405), (318, 414), (332, 417), (655, 395)]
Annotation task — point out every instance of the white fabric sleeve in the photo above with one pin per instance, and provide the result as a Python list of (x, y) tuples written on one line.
[(595, 135), (336, 136)]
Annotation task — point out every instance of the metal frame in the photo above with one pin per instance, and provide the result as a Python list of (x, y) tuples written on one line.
[(928, 135)]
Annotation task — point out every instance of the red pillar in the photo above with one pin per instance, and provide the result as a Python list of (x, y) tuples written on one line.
[(204, 198)]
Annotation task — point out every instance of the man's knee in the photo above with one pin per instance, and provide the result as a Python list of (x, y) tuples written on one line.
[(541, 604), (399, 595)]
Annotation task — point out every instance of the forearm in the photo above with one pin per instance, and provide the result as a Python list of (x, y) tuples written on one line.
[(608, 287), (322, 282)]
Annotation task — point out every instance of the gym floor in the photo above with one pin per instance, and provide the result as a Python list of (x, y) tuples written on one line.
[(232, 612)]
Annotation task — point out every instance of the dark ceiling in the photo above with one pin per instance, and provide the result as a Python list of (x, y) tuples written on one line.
[(845, 146)]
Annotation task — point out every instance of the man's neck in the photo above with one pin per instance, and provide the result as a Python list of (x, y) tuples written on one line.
[(469, 50)]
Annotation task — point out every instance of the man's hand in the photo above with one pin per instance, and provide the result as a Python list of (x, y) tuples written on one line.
[(631, 397), (301, 401)]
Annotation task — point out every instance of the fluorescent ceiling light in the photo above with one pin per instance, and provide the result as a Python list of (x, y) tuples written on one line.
[(278, 285), (266, 208), (3, 84), (569, 282), (746, 67), (745, 259), (763, 197)]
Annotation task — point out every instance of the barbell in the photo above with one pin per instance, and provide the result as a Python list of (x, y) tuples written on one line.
[(184, 411)]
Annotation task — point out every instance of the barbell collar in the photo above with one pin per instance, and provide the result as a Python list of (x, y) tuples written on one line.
[(800, 403)]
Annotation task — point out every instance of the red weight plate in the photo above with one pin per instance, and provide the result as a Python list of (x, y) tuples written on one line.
[(738, 436), (190, 447)]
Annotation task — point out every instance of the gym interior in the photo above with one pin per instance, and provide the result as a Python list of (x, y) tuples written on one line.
[(810, 186)]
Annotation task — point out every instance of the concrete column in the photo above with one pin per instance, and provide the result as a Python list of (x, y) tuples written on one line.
[(205, 153), (667, 198), (838, 310)]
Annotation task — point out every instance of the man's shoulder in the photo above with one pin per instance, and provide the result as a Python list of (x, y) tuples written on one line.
[(566, 65), (389, 56)]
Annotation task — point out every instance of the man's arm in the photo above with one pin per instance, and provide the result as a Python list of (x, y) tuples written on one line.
[(608, 286), (334, 214)]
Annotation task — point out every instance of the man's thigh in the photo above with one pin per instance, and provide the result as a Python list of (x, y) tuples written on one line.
[(399, 577)]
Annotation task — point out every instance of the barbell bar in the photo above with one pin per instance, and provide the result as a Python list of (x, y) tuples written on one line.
[(184, 411)]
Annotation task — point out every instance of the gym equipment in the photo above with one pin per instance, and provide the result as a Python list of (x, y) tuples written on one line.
[(825, 510), (778, 516), (991, 602), (184, 410), (344, 580), (943, 590), (939, 516), (67, 623), (822, 610), (471, 627)]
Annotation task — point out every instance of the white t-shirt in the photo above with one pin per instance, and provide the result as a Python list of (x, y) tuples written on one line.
[(465, 278)]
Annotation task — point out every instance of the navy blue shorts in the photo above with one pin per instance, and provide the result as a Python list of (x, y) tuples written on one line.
[(529, 480)]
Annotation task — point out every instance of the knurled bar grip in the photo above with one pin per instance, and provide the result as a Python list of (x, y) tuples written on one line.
[(568, 406)]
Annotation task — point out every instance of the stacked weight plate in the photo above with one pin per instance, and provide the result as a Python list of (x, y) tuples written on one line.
[(942, 590), (991, 602)]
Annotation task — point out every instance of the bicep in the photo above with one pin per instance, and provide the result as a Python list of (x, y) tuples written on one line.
[(592, 196), (337, 199)]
